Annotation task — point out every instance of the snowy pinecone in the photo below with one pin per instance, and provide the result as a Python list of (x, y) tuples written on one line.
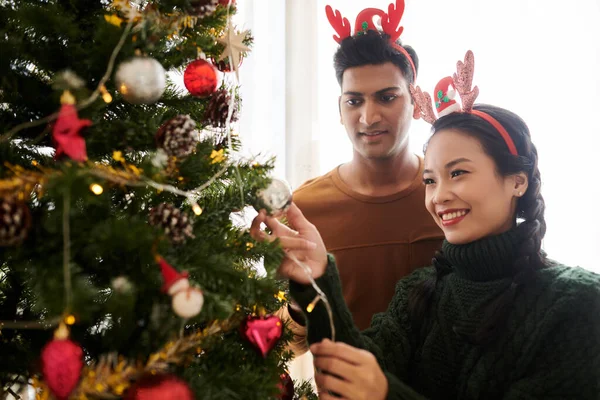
[(203, 8), (178, 136), (15, 221), (176, 223), (218, 109)]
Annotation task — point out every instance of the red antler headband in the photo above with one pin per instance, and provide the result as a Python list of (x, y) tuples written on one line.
[(445, 104), (390, 23)]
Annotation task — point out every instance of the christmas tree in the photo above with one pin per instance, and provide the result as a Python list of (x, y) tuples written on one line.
[(123, 271)]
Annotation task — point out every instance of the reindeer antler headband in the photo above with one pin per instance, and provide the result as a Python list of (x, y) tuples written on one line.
[(445, 104), (390, 23)]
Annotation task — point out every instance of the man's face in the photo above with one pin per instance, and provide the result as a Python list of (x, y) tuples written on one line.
[(376, 110)]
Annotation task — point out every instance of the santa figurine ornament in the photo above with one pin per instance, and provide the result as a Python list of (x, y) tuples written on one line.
[(187, 301), (445, 92)]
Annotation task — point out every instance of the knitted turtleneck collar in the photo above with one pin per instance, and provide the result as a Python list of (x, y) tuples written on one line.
[(485, 259)]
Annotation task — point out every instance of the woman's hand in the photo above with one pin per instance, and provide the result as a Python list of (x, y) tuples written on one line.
[(352, 373), (302, 242)]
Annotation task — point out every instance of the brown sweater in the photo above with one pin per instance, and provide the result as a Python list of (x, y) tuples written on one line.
[(375, 240)]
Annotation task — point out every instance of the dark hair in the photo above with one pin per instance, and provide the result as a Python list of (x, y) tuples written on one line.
[(530, 209), (372, 48)]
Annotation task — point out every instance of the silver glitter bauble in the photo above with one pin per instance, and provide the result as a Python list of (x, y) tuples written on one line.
[(141, 80), (277, 197)]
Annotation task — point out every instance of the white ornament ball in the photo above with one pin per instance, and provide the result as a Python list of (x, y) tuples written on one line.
[(277, 197), (188, 303), (141, 80)]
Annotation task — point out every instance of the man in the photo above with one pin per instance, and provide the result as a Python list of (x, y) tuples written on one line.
[(370, 211)]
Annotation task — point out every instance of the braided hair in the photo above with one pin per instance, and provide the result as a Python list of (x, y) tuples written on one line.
[(530, 211)]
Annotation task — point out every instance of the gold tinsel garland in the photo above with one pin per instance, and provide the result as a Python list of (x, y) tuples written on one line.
[(110, 376)]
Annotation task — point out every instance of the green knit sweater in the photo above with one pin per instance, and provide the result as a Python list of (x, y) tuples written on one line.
[(549, 347)]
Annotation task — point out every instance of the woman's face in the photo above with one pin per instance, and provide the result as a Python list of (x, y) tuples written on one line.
[(465, 195)]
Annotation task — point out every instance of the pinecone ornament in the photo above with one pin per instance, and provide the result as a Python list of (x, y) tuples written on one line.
[(178, 136), (203, 8), (218, 109), (176, 223), (15, 220)]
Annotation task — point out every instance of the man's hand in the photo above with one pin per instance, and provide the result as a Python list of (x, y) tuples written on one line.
[(352, 373)]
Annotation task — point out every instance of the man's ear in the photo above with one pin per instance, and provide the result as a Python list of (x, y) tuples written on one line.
[(416, 112)]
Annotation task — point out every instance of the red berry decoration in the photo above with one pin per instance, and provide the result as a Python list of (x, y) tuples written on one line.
[(200, 78), (62, 361), (160, 387), (262, 332)]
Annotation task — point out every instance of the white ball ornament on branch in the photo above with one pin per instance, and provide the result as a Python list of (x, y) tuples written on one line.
[(275, 198), (141, 80)]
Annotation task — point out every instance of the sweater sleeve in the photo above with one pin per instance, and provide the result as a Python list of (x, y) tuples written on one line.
[(388, 337), (567, 363)]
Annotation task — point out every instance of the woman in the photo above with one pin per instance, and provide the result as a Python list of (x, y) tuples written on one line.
[(492, 318)]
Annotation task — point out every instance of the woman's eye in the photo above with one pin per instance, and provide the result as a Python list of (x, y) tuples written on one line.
[(428, 181), (458, 172)]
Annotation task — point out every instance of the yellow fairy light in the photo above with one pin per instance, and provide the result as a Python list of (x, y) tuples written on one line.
[(311, 306), (96, 189), (197, 209), (123, 88), (249, 246), (105, 95), (70, 320), (34, 163), (180, 178)]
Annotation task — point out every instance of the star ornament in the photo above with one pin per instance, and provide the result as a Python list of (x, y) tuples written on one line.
[(233, 45)]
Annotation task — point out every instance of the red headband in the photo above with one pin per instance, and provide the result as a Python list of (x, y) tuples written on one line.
[(390, 23), (445, 104)]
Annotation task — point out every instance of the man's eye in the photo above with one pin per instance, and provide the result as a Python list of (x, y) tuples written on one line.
[(353, 102), (387, 98)]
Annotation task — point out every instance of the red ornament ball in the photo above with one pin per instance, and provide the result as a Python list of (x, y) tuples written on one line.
[(286, 387), (62, 361), (226, 2), (160, 387), (200, 78)]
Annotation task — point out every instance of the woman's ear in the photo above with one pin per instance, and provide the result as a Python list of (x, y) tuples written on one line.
[(521, 183)]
